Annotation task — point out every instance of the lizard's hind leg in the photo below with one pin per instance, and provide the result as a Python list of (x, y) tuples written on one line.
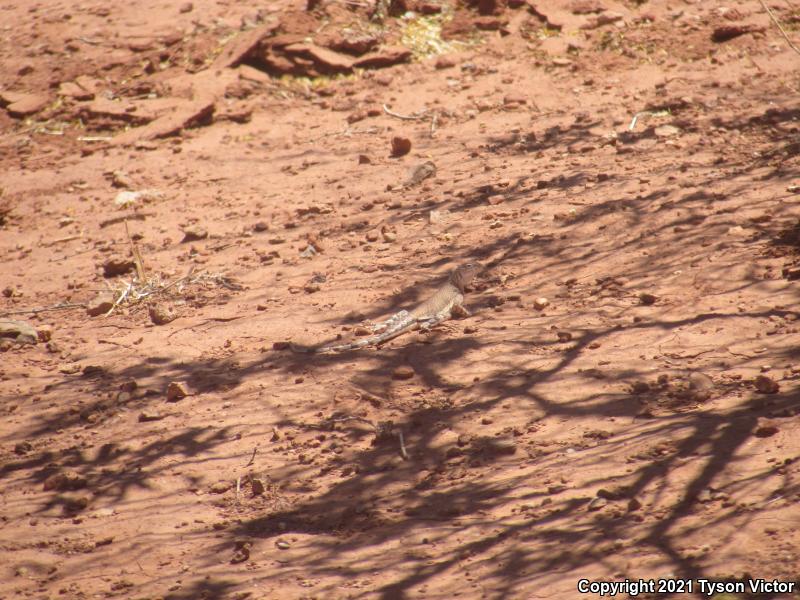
[(388, 323), (433, 321)]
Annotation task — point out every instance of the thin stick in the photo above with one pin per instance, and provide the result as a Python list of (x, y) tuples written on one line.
[(403, 452), (137, 216), (252, 458), (69, 238), (414, 117), (121, 298), (35, 311), (777, 23), (137, 258), (95, 138)]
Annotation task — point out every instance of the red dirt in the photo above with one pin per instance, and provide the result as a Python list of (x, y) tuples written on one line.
[(641, 423)]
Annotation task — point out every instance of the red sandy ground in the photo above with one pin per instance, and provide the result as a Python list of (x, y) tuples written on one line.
[(543, 446)]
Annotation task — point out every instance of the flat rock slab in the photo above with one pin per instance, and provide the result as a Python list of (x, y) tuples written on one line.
[(190, 115), (19, 331), (242, 46), (21, 105), (326, 60), (385, 57)]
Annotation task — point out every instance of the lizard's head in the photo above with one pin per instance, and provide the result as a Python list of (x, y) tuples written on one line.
[(464, 274)]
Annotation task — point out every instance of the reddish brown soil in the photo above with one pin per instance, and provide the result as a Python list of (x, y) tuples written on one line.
[(543, 446)]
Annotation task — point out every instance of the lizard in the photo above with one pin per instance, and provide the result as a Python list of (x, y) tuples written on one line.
[(439, 307)]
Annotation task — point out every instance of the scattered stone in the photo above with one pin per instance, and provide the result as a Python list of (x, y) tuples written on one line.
[(22, 448), (766, 430), (73, 504), (400, 146), (194, 233), (118, 265), (403, 372), (700, 385), (607, 494), (514, 99), (147, 416), (280, 345), (120, 179), (45, 333), (93, 370), (597, 504), (19, 331), (445, 62), (372, 236), (220, 487), (241, 551), (257, 486), (161, 314), (385, 57), (430, 7), (489, 23), (64, 481), (634, 504), (176, 391), (186, 7), (564, 336), (100, 304), (648, 299), (766, 385), (357, 116), (725, 33), (261, 226), (282, 545), (494, 446), (541, 303)]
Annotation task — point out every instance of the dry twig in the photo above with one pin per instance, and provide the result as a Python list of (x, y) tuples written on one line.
[(779, 26), (403, 452), (415, 117), (35, 311)]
